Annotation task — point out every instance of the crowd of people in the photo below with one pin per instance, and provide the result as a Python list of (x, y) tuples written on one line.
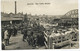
[(32, 32), (7, 32)]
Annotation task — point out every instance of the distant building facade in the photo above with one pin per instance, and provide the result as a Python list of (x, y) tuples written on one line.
[(11, 18)]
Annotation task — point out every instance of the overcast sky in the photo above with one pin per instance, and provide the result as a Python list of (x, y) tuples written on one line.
[(56, 7)]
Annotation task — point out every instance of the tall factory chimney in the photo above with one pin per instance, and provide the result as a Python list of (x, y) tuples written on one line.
[(15, 8)]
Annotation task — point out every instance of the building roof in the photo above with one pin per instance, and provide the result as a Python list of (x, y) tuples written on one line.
[(10, 18)]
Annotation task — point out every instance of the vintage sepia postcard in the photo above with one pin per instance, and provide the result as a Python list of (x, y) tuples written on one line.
[(39, 24)]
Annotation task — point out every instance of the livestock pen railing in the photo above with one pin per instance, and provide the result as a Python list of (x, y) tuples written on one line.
[(60, 41)]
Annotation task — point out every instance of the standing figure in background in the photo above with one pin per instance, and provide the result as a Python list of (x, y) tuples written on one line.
[(24, 34), (2, 34), (15, 31), (6, 37), (10, 31)]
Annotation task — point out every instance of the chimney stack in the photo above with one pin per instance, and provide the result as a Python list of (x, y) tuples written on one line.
[(15, 8)]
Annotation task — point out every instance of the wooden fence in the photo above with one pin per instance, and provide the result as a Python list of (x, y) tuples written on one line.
[(60, 41)]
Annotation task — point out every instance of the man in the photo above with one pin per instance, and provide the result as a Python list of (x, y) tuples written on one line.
[(3, 46), (2, 34), (10, 30), (40, 40), (35, 39), (15, 31), (29, 35), (6, 37), (24, 34)]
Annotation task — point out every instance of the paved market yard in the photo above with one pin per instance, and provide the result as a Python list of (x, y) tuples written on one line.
[(17, 43)]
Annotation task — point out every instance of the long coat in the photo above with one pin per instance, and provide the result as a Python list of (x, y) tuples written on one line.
[(6, 35)]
